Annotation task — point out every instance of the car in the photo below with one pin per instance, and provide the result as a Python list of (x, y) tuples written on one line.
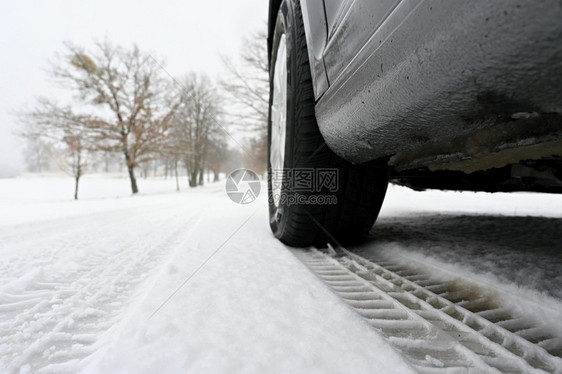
[(455, 94)]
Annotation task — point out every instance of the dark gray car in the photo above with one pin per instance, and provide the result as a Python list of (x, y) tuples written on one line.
[(449, 94)]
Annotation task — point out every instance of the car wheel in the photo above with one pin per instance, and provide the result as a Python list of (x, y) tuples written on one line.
[(314, 196)]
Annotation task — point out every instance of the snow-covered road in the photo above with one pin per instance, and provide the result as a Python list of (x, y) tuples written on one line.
[(191, 282)]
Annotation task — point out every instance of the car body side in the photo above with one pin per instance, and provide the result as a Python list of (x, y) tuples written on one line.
[(450, 93)]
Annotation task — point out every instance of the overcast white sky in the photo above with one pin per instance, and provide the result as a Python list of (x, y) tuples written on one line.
[(189, 34)]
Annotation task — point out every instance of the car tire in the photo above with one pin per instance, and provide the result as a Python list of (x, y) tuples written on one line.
[(341, 210)]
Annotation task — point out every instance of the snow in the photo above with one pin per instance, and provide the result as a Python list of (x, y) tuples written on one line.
[(507, 242), (514, 238), (135, 284), (246, 312), (29, 198)]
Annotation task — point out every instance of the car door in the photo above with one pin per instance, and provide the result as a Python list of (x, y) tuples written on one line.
[(350, 24)]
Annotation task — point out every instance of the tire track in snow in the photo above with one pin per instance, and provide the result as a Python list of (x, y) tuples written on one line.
[(439, 326), (53, 316), (54, 237)]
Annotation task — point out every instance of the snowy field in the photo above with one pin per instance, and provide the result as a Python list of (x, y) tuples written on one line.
[(175, 282)]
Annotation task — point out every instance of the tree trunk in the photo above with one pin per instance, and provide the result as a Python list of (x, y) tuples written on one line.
[(134, 186), (77, 180), (216, 179), (176, 172), (201, 177), (191, 176), (131, 169), (193, 179)]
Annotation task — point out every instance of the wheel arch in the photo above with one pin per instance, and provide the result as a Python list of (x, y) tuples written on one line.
[(315, 26)]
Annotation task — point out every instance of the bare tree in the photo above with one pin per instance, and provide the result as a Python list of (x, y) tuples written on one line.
[(171, 152), (63, 131), (256, 161), (38, 153), (247, 87), (75, 158), (194, 123), (247, 83), (217, 153), (125, 97)]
